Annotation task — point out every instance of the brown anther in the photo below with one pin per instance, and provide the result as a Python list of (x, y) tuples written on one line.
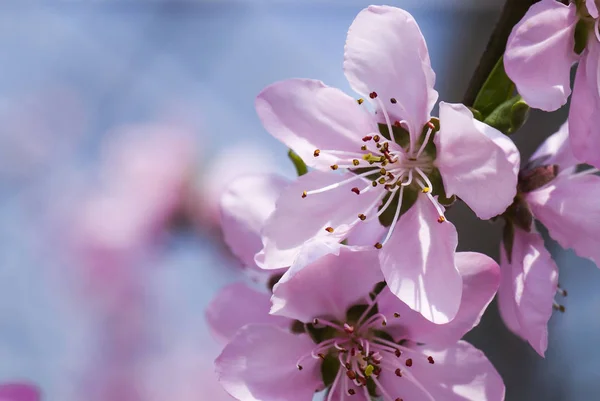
[(430, 359), (398, 372), (441, 219), (373, 95), (334, 166), (316, 153), (363, 147), (356, 190), (560, 308), (409, 362), (322, 356), (315, 321), (353, 352), (377, 370), (378, 146), (393, 100), (378, 245), (351, 391), (390, 176), (360, 101), (396, 315), (348, 366), (304, 194), (397, 123), (367, 138), (362, 217), (362, 380), (299, 367), (351, 374), (397, 353), (356, 162), (398, 399), (384, 323), (376, 138), (360, 348), (329, 229)]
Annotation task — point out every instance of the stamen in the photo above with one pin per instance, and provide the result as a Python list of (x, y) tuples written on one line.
[(596, 26), (396, 216), (386, 395), (373, 95), (430, 359), (387, 120), (384, 207), (334, 166), (329, 229), (426, 140), (356, 190), (562, 291), (441, 217), (558, 307), (337, 184), (393, 100), (396, 315), (324, 322), (316, 153), (334, 385), (356, 162), (409, 362), (360, 101)]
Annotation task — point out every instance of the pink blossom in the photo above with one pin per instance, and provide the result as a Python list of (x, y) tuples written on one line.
[(19, 392), (567, 205), (387, 62), (539, 56), (369, 342)]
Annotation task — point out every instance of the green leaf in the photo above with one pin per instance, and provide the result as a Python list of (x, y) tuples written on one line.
[(509, 116), (301, 168), (497, 89), (476, 114)]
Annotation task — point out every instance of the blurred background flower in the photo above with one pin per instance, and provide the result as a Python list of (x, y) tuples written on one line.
[(121, 122)]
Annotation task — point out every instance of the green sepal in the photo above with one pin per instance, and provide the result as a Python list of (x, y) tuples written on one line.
[(329, 369), (439, 190), (401, 135), (297, 327), (355, 312), (476, 114), (409, 199), (509, 116), (497, 89), (582, 32), (301, 168), (319, 335)]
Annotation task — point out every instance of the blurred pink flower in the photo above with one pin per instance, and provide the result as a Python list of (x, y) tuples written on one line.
[(19, 392)]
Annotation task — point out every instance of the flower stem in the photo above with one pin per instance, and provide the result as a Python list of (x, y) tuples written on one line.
[(512, 13)]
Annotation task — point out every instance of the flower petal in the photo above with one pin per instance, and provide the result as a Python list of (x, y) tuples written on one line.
[(418, 263), (19, 392), (459, 373), (592, 8), (259, 364), (540, 53), (245, 206), (236, 306), (556, 149), (477, 162), (306, 115), (584, 114), (335, 277), (569, 208), (480, 276), (527, 289), (297, 220), (386, 53)]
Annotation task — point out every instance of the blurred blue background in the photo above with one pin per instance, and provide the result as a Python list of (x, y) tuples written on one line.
[(103, 283)]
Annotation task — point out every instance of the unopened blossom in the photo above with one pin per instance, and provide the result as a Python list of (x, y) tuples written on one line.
[(355, 340), (19, 392), (539, 55), (394, 166), (566, 203)]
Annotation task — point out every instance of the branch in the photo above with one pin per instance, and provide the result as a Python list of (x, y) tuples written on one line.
[(513, 12)]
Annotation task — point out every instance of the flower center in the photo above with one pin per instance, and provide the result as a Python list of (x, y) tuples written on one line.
[(359, 353), (392, 164)]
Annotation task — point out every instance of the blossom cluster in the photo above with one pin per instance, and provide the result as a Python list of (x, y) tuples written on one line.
[(367, 296)]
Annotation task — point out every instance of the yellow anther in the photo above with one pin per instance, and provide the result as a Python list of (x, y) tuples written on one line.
[(356, 162), (426, 190), (360, 101), (369, 370), (441, 219), (383, 171), (316, 153), (382, 180), (364, 147), (304, 194), (374, 183), (334, 166), (376, 138), (329, 229), (378, 245)]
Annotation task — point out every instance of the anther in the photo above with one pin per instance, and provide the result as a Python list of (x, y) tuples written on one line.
[(396, 315), (398, 372), (409, 362), (334, 166), (329, 229), (562, 291), (398, 353), (393, 100), (316, 153), (360, 101), (374, 183), (425, 190), (351, 391), (441, 219), (560, 308), (367, 138), (348, 366), (369, 370), (376, 138), (356, 190), (321, 356), (397, 123), (377, 370), (304, 194), (373, 95), (383, 171), (356, 162), (378, 245), (362, 217), (398, 399), (300, 367), (351, 374), (363, 147), (382, 181), (430, 359), (348, 329)]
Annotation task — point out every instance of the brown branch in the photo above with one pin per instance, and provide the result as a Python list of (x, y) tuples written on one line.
[(512, 13)]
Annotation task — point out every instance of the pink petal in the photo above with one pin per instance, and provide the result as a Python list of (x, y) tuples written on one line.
[(477, 162), (459, 373), (335, 277), (259, 364), (480, 276), (527, 289), (569, 208), (386, 53), (236, 306), (245, 206), (19, 392), (539, 54), (592, 8), (306, 115), (418, 263), (584, 114), (297, 220), (556, 149)]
